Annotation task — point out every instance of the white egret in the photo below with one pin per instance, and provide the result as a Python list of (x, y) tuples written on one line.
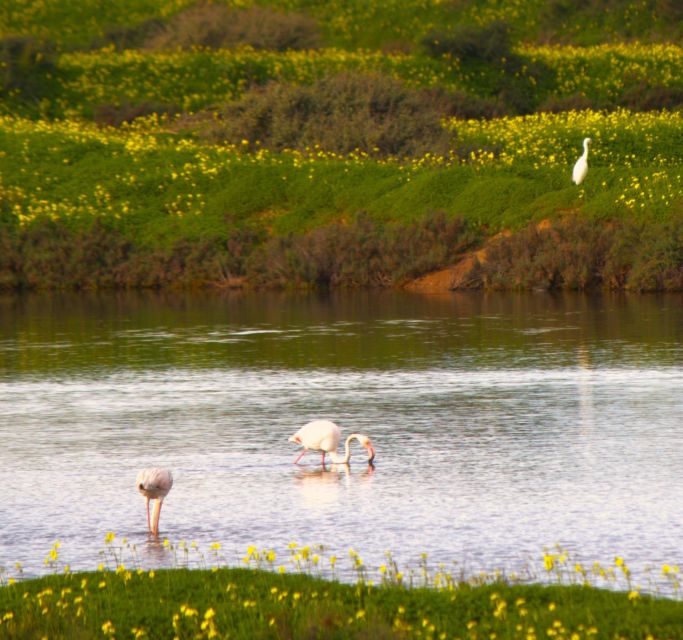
[(581, 166)]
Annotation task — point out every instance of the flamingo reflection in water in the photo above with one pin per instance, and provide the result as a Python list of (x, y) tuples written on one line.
[(320, 488), (154, 483), (324, 436)]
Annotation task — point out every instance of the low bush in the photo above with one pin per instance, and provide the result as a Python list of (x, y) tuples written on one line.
[(130, 37), (114, 115), (488, 43), (517, 81), (582, 254), (26, 65), (568, 255), (375, 114), (645, 96), (573, 253), (48, 255), (216, 26), (361, 254)]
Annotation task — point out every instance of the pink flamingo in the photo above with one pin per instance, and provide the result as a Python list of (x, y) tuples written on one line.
[(154, 483), (324, 436)]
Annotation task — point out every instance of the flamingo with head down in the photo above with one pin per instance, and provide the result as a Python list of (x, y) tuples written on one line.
[(324, 436), (154, 483)]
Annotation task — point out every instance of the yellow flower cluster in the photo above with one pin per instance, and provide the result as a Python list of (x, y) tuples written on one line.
[(72, 603), (620, 138), (605, 70), (194, 79), (635, 156)]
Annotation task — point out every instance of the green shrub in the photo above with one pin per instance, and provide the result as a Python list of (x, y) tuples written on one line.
[(657, 258), (361, 254), (131, 37), (568, 255), (216, 26), (643, 96), (114, 115), (343, 113), (582, 254), (515, 80), (489, 43), (25, 67)]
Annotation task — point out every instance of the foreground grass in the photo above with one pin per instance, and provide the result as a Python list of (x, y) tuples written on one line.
[(247, 603), (299, 595)]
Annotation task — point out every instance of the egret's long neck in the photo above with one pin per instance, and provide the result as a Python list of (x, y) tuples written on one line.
[(585, 150), (337, 459)]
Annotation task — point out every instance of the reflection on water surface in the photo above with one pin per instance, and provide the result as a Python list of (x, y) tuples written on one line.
[(503, 424)]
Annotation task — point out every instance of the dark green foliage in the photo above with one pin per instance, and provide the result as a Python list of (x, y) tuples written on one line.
[(656, 255), (569, 255), (115, 115), (591, 21), (216, 26), (516, 81), (580, 254), (643, 96), (489, 43), (360, 254), (574, 254), (576, 102), (25, 67), (133, 37), (343, 113)]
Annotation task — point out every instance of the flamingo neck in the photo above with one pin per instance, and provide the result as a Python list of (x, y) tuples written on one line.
[(337, 459)]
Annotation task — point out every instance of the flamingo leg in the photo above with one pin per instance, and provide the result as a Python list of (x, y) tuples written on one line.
[(156, 515), (301, 455), (149, 526), (323, 459)]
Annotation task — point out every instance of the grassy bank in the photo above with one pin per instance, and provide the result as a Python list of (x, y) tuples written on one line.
[(154, 205), (294, 143), (243, 603), (308, 593)]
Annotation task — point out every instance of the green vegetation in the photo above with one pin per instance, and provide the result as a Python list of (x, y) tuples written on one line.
[(253, 602), (241, 603), (357, 23), (300, 143)]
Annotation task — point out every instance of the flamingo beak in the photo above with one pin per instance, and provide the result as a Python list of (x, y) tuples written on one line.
[(371, 453), (294, 439)]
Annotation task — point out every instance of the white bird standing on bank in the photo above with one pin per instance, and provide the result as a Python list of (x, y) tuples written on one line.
[(154, 483), (324, 436), (581, 166)]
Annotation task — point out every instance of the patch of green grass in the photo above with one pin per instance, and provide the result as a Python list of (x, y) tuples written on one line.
[(243, 603), (364, 23)]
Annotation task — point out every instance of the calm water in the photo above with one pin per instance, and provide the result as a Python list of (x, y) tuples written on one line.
[(503, 424)]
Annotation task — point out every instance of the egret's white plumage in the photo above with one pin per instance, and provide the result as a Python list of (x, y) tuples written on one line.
[(581, 166), (154, 483), (324, 436)]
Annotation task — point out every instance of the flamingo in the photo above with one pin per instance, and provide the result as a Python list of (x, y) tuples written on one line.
[(154, 483), (324, 436), (581, 166)]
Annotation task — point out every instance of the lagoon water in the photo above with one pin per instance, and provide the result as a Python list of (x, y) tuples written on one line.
[(504, 424)]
